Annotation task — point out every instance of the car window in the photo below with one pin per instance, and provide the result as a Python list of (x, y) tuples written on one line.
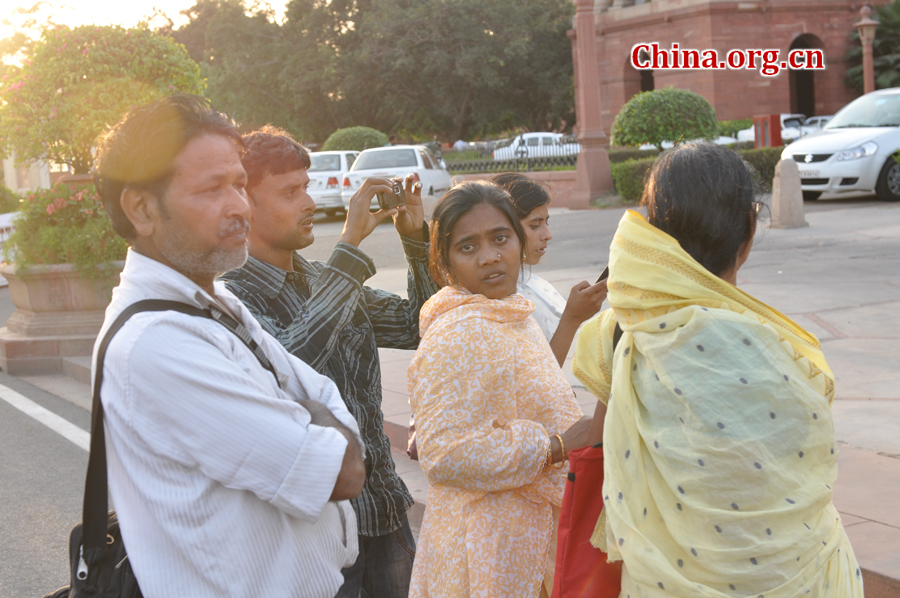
[(324, 162), (547, 141), (791, 122), (350, 159), (426, 160), (882, 110), (386, 159), (433, 159), (533, 141)]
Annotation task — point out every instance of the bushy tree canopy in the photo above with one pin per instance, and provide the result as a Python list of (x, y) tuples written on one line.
[(413, 67), (675, 115), (76, 82)]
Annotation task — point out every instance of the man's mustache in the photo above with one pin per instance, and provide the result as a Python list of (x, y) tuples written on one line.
[(236, 226)]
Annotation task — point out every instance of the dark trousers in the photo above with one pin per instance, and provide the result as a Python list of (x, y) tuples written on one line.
[(383, 567)]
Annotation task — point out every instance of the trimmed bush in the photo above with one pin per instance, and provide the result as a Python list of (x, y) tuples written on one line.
[(669, 114), (355, 139), (630, 176)]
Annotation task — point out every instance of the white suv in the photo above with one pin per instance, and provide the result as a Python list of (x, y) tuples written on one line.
[(855, 151)]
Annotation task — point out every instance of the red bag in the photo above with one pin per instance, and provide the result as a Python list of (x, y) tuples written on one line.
[(581, 569)]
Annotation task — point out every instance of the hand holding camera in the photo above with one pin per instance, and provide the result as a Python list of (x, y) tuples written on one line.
[(411, 213), (361, 221)]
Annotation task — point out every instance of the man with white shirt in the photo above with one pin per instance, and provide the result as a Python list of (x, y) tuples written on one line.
[(229, 479)]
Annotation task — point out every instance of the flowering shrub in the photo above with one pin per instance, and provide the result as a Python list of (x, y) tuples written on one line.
[(64, 225)]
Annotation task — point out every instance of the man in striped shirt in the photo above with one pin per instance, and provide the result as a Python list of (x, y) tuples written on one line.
[(322, 313)]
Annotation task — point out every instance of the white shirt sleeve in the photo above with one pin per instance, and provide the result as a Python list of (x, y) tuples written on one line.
[(182, 394)]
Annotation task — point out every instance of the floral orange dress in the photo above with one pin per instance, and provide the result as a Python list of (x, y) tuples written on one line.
[(487, 394)]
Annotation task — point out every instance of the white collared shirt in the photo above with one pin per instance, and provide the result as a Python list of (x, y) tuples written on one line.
[(220, 481)]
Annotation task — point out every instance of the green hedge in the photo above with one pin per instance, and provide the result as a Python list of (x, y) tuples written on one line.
[(621, 154), (629, 176), (763, 161)]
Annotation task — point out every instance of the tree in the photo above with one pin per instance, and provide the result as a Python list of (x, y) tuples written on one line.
[(76, 82), (675, 115), (472, 66), (417, 68), (885, 51)]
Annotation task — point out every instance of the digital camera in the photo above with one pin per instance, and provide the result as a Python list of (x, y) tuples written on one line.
[(397, 197)]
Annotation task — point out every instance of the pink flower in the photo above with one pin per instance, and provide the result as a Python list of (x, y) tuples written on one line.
[(171, 87), (50, 210), (84, 51)]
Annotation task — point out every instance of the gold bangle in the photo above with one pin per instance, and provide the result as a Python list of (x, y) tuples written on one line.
[(549, 460), (562, 445)]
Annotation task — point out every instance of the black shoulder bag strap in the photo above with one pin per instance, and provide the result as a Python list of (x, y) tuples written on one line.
[(94, 513)]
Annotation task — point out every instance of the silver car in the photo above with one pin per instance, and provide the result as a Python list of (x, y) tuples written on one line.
[(325, 176), (855, 151)]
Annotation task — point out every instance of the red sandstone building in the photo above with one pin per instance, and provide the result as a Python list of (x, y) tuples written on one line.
[(724, 25)]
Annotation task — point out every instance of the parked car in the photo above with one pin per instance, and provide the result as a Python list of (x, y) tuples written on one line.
[(791, 128), (537, 145), (397, 161), (816, 122), (855, 151), (325, 175)]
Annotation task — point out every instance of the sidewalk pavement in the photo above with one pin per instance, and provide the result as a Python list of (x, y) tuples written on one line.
[(839, 279)]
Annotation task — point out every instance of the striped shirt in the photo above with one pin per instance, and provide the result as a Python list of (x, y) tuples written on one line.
[(220, 481), (324, 315)]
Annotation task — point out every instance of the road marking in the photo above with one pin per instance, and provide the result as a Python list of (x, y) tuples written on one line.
[(61, 426)]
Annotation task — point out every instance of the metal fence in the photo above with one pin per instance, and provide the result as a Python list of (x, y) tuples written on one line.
[(532, 153)]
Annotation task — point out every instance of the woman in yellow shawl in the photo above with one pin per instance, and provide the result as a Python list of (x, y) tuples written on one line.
[(719, 448), (494, 413)]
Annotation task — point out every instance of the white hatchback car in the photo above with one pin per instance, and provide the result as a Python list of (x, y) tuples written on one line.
[(396, 161), (537, 145), (325, 175), (855, 151)]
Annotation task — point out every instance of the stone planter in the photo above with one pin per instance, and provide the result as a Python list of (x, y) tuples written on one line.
[(57, 300), (58, 314)]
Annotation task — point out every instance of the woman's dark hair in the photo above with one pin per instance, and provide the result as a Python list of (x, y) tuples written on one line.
[(138, 152), (702, 194), (271, 150), (458, 202), (526, 194)]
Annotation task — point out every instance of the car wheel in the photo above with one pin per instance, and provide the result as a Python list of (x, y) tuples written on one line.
[(888, 186), (811, 195), (331, 212)]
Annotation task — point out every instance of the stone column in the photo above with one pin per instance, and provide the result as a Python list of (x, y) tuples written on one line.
[(593, 176), (787, 196)]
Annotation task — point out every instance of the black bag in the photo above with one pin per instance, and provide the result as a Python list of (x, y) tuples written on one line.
[(99, 562)]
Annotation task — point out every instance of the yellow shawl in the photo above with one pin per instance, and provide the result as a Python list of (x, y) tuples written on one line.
[(719, 446)]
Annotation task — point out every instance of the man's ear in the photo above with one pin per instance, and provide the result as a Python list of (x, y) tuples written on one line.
[(142, 209)]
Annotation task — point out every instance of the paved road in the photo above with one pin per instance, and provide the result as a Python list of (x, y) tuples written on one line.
[(42, 473)]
